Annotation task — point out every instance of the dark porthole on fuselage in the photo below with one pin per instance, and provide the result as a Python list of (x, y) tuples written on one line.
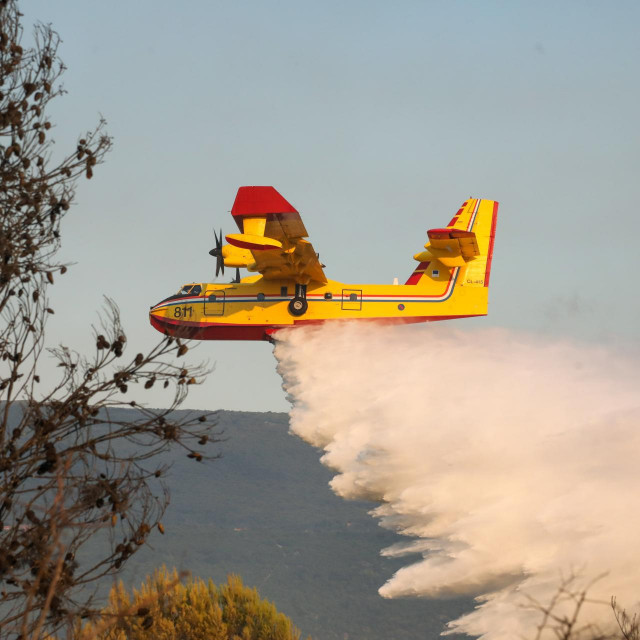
[(328, 296), (260, 297)]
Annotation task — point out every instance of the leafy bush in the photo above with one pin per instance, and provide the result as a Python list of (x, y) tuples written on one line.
[(168, 608)]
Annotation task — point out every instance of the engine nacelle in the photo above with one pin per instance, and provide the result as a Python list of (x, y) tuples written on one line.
[(235, 257)]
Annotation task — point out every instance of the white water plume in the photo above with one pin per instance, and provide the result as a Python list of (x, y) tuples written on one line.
[(511, 461)]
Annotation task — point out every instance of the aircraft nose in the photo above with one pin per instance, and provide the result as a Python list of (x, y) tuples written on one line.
[(156, 320)]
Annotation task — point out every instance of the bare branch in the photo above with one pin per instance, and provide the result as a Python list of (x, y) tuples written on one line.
[(74, 467)]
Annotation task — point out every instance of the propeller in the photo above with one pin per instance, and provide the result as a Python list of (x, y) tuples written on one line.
[(217, 253)]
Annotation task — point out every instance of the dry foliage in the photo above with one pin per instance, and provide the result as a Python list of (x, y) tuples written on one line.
[(561, 617), (171, 607), (72, 468)]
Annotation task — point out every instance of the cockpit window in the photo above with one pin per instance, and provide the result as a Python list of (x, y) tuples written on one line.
[(191, 289)]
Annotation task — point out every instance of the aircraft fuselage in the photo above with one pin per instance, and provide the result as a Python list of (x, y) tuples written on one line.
[(256, 308)]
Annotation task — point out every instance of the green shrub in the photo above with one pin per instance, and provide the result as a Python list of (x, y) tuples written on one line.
[(168, 608)]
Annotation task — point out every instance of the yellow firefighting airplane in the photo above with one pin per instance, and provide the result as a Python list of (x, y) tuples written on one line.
[(291, 289)]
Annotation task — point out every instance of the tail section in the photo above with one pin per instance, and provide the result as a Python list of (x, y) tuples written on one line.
[(479, 217), (462, 250)]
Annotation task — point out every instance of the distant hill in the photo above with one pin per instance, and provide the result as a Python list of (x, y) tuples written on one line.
[(265, 511)]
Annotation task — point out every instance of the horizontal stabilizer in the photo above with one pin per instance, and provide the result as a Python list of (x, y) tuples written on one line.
[(444, 234), (452, 247), (465, 243)]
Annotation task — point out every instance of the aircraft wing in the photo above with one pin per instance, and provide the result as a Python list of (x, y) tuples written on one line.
[(272, 232)]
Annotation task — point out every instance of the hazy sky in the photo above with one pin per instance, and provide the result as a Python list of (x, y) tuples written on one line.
[(375, 120)]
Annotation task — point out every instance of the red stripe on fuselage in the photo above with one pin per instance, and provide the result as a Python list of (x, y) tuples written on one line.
[(215, 331), (211, 331)]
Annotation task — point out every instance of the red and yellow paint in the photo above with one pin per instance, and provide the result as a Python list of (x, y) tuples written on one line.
[(451, 280)]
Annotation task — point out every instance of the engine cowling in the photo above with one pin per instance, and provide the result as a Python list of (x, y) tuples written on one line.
[(235, 257)]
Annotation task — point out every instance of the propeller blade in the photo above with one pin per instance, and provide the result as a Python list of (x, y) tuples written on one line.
[(216, 252), (219, 246)]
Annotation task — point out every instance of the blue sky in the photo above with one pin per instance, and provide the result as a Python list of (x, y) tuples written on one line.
[(376, 120)]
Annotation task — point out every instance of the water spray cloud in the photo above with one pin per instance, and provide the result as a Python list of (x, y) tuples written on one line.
[(508, 460)]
